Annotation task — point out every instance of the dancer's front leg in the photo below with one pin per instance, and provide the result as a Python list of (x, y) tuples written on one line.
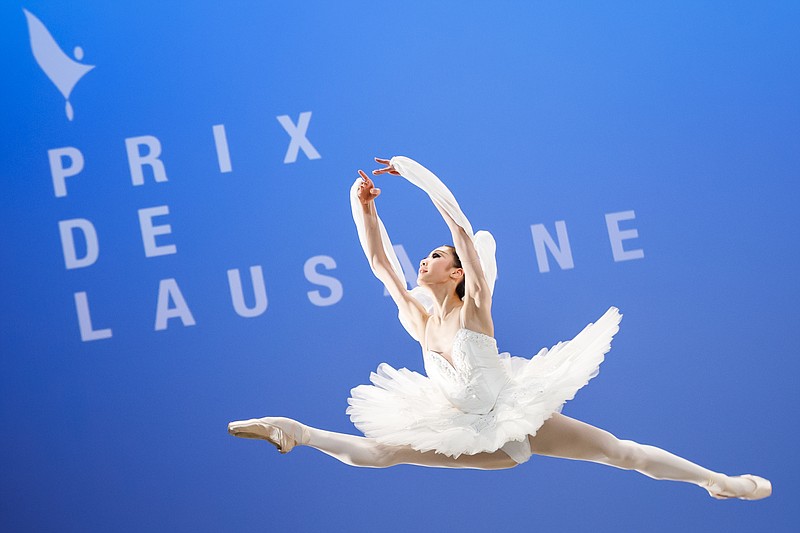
[(568, 438), (286, 433)]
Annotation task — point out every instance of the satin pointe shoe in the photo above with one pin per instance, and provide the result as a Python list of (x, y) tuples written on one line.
[(283, 433), (762, 489)]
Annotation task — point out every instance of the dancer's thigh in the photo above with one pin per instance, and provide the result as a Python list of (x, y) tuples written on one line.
[(498, 460), (562, 436)]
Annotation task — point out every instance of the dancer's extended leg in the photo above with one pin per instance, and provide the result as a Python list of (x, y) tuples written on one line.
[(566, 437), (359, 451), (363, 451)]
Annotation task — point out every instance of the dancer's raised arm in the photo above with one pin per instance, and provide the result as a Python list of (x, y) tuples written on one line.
[(477, 289), (412, 313), (475, 286)]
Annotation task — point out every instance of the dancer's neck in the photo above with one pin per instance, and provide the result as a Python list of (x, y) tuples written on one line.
[(445, 300)]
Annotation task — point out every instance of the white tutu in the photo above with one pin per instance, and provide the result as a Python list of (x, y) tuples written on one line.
[(485, 400)]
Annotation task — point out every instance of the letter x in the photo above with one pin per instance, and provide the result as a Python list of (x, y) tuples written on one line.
[(298, 135)]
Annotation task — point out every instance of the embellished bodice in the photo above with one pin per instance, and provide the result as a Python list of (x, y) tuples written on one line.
[(476, 376)]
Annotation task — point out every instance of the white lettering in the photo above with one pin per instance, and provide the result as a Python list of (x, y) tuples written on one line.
[(137, 160), (168, 289), (57, 169), (542, 241), (88, 333), (221, 143), (237, 294), (298, 135), (329, 282), (71, 259), (150, 231), (616, 236)]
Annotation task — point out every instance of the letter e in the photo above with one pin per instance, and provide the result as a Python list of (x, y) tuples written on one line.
[(616, 236)]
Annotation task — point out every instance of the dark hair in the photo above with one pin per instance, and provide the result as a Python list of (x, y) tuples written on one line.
[(461, 288)]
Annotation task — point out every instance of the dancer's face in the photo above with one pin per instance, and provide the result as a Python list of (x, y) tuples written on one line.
[(438, 267)]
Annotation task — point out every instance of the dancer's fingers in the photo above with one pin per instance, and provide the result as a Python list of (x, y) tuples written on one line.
[(386, 169)]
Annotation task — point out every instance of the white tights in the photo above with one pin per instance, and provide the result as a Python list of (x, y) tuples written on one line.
[(560, 436)]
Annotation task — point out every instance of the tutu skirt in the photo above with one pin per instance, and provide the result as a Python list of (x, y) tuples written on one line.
[(484, 400)]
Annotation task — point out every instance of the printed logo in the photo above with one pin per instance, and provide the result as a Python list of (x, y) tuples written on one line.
[(62, 70)]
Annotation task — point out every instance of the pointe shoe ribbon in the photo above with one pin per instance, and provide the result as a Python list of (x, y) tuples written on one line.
[(283, 433)]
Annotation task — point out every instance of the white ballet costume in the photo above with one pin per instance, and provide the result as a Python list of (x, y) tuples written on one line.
[(484, 401)]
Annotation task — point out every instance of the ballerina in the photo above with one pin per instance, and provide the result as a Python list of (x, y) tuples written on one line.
[(477, 408)]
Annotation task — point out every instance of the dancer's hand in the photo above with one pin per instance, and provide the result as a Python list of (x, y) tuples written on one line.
[(367, 191), (388, 168)]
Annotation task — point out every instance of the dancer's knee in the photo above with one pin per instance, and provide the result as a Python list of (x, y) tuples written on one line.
[(626, 454), (376, 456)]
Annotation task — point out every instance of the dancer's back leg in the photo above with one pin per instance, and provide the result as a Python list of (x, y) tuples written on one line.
[(565, 437), (360, 451), (366, 452)]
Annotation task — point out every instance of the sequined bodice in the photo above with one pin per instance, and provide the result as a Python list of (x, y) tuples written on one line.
[(476, 376)]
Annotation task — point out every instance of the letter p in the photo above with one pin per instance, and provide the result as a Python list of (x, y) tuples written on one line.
[(60, 170)]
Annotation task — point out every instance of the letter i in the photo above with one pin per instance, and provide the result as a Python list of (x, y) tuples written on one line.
[(221, 142)]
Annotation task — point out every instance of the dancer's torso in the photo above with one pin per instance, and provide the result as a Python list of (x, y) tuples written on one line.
[(476, 375)]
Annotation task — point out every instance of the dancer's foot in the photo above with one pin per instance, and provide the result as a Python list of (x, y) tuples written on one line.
[(757, 488), (283, 433)]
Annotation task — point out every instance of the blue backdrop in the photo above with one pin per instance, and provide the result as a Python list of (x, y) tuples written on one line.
[(212, 138)]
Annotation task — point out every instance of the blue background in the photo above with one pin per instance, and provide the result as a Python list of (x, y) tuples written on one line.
[(685, 112)]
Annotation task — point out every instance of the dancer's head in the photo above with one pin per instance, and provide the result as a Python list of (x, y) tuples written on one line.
[(442, 265)]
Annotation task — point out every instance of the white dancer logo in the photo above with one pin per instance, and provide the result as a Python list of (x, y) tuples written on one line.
[(62, 70)]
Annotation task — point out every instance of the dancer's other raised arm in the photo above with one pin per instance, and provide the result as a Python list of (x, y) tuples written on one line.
[(475, 286), (412, 313)]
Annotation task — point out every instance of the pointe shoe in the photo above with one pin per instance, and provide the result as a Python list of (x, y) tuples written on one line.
[(283, 433), (762, 489)]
